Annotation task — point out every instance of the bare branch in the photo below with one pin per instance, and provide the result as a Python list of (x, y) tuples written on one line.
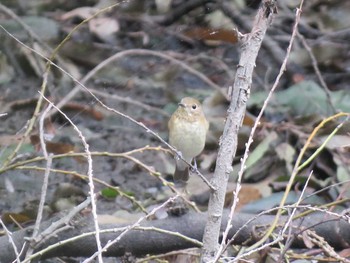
[(228, 144)]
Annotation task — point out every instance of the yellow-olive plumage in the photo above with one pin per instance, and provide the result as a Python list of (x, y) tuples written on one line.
[(187, 133)]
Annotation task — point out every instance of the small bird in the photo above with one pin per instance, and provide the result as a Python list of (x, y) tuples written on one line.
[(187, 133)]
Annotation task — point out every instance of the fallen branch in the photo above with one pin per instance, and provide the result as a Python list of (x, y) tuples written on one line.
[(161, 236)]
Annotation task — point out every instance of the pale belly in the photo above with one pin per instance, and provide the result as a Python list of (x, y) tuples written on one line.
[(188, 138)]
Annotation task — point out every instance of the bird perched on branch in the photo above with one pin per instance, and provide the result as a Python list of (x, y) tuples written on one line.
[(187, 133)]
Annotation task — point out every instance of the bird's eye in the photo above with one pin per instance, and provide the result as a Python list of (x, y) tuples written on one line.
[(194, 106)]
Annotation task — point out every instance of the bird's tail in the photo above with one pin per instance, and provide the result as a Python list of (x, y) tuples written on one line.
[(181, 175)]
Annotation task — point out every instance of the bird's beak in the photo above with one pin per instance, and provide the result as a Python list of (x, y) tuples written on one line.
[(181, 105)]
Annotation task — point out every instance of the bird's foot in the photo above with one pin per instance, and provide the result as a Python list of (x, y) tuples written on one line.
[(194, 167), (178, 155)]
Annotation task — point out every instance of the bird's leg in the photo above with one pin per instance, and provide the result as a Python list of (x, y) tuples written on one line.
[(194, 167), (178, 155)]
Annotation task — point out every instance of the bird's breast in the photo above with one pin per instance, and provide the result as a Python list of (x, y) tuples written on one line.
[(188, 137)]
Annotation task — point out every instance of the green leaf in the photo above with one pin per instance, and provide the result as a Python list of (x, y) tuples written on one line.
[(109, 193), (260, 150), (6, 151), (47, 29), (304, 99)]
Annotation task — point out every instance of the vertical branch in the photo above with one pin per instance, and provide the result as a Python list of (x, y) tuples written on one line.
[(90, 174), (241, 89), (250, 139), (45, 184)]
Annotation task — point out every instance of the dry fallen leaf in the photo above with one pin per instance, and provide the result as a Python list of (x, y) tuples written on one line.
[(210, 34), (81, 12), (104, 28), (52, 147)]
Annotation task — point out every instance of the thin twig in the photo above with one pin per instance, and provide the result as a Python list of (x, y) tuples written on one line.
[(41, 204), (45, 181), (279, 76), (128, 228), (47, 70), (140, 52), (113, 230), (240, 94), (291, 217), (323, 145), (318, 72), (22, 165), (131, 101), (88, 76), (9, 234), (90, 174), (56, 225)]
